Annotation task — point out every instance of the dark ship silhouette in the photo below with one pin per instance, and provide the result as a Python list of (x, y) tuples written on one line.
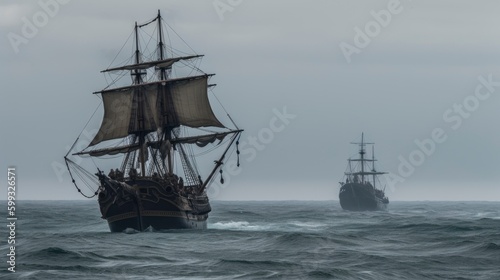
[(359, 191), (151, 118)]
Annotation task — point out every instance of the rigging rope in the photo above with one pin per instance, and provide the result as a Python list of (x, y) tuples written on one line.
[(180, 38), (120, 76), (77, 138), (220, 171), (150, 39), (223, 108), (80, 175), (121, 48)]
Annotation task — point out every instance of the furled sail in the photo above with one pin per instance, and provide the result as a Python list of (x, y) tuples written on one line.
[(165, 63), (199, 140), (111, 151), (146, 107), (202, 141)]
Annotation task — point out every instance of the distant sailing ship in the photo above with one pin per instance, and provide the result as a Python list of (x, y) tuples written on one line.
[(359, 192), (147, 123)]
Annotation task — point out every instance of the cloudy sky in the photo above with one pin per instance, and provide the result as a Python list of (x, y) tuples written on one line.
[(420, 78)]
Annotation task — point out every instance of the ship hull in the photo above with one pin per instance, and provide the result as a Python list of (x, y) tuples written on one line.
[(360, 197), (148, 204), (145, 223)]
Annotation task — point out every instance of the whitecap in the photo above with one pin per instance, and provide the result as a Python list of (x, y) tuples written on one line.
[(239, 225), (130, 231), (306, 224)]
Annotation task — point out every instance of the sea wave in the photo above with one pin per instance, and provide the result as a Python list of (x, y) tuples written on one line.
[(243, 241), (238, 225)]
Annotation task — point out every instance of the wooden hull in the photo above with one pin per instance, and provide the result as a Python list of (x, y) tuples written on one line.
[(361, 197), (156, 222), (148, 204)]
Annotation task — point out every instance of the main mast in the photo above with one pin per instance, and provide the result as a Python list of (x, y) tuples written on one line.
[(163, 76)]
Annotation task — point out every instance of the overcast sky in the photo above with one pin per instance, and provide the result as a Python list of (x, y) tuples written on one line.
[(424, 69)]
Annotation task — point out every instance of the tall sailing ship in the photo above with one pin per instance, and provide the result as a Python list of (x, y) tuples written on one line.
[(359, 191), (150, 123)]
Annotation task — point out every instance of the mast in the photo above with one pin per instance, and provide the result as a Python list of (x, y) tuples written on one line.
[(350, 171), (136, 29), (362, 154), (160, 46), (138, 80), (362, 159), (373, 164), (163, 76)]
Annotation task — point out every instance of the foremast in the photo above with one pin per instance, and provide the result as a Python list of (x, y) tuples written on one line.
[(137, 74)]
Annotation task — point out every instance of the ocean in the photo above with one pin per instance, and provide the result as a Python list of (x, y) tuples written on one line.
[(262, 240)]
